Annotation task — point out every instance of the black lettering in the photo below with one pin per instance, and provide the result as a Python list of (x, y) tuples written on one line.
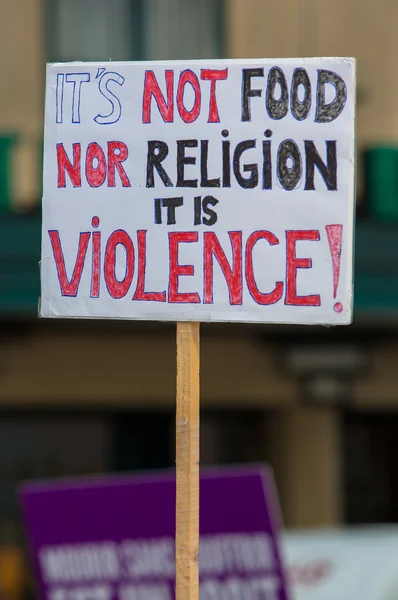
[(226, 164), (325, 113), (328, 171), (212, 215), (300, 108), (289, 176), (183, 160), (245, 182), (204, 160), (158, 211), (157, 152), (171, 204), (197, 209), (267, 166), (247, 91), (277, 108)]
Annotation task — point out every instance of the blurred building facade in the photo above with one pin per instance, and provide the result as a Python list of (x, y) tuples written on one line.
[(309, 421), (38, 31)]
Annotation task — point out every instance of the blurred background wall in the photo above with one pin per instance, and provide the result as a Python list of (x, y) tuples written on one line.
[(77, 398)]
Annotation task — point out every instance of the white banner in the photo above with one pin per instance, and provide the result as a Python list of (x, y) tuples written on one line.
[(200, 191)]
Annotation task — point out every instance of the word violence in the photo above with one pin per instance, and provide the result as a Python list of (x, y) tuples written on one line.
[(238, 273)]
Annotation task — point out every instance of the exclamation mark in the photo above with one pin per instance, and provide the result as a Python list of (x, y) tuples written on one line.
[(335, 237)]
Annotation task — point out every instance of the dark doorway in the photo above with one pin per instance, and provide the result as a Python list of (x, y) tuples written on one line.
[(370, 462)]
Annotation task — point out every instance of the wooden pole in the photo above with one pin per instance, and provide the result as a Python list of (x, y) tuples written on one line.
[(187, 462)]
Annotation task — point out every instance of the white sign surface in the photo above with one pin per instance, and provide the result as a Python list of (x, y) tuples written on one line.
[(342, 565), (200, 191)]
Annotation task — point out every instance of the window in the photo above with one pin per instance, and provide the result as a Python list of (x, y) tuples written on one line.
[(182, 29), (90, 30), (370, 458), (134, 29)]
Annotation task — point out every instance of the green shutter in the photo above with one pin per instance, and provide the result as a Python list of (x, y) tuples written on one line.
[(6, 146)]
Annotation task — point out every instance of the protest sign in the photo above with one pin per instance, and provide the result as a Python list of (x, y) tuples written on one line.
[(113, 538), (199, 191)]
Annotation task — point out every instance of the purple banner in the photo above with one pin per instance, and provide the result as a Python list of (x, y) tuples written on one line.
[(112, 538)]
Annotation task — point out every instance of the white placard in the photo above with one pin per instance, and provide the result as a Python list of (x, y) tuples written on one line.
[(200, 191)]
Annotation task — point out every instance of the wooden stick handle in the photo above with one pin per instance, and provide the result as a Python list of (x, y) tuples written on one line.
[(187, 462)]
